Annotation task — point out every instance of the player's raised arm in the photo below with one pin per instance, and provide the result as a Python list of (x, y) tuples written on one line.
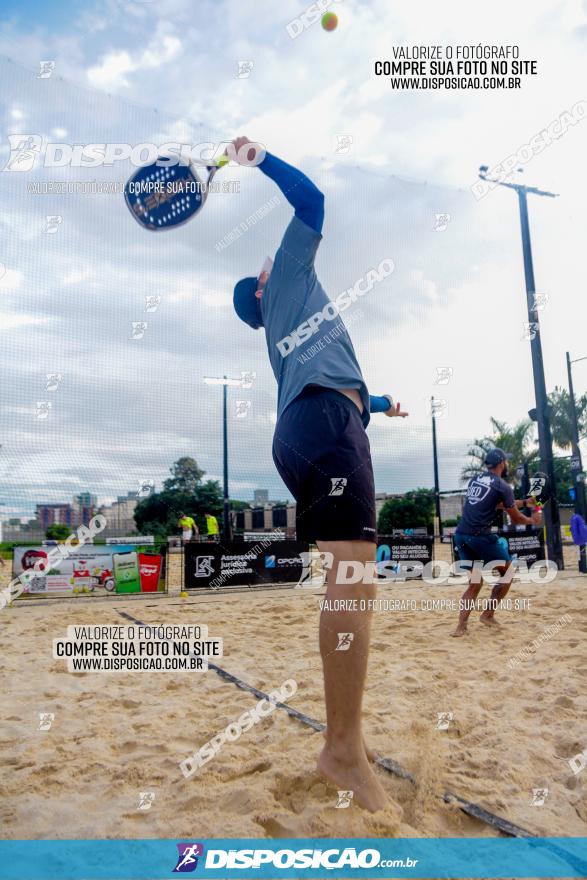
[(386, 404), (303, 195)]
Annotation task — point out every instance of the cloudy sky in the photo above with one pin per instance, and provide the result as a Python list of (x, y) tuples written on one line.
[(126, 71)]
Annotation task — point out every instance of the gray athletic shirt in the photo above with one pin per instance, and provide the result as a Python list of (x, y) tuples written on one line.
[(484, 493), (296, 309)]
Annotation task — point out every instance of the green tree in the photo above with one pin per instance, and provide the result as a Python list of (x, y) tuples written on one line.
[(564, 480), (517, 440), (412, 510), (183, 492), (186, 476), (58, 532), (560, 417)]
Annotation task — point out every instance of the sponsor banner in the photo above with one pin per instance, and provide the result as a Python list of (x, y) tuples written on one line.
[(137, 541), (409, 553), (281, 562), (125, 565), (528, 545), (87, 568), (43, 584), (149, 571), (238, 563), (262, 536), (288, 858)]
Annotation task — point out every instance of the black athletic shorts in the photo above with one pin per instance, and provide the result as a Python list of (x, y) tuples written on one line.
[(322, 453)]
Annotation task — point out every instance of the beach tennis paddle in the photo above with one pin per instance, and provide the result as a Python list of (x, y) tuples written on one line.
[(539, 488), (162, 196)]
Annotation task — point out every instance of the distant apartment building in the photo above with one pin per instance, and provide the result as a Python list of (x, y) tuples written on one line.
[(120, 516), (260, 497), (78, 513), (265, 518), (48, 514), (84, 508)]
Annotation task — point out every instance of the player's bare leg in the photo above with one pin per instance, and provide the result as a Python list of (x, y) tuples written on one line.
[(467, 601), (343, 759), (371, 755), (499, 591)]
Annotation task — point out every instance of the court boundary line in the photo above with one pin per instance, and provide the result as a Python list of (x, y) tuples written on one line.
[(472, 809)]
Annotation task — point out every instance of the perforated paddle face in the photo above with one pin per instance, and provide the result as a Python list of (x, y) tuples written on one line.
[(162, 197)]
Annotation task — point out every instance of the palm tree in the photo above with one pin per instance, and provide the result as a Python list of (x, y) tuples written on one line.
[(560, 417), (517, 440)]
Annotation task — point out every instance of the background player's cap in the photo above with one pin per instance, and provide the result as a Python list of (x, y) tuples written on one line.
[(496, 456)]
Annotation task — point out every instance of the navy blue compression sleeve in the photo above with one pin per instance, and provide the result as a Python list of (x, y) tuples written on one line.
[(301, 193), (379, 404)]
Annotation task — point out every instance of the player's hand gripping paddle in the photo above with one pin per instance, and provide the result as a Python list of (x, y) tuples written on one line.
[(162, 196)]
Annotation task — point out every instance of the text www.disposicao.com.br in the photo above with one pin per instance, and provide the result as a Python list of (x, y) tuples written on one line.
[(135, 664)]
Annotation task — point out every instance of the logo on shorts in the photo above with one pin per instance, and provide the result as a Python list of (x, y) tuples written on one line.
[(204, 567), (338, 485), (477, 491), (187, 860)]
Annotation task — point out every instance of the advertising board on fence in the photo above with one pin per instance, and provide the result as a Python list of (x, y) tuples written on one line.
[(528, 545), (406, 552), (235, 563), (89, 568)]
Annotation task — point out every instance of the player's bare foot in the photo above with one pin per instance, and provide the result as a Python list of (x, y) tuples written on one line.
[(356, 777), (460, 631), (488, 621), (371, 755)]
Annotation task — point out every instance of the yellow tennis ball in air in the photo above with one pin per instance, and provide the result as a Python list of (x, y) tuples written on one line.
[(184, 595), (224, 160), (329, 21)]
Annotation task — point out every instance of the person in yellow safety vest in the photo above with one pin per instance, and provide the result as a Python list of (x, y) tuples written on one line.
[(212, 527), (188, 527)]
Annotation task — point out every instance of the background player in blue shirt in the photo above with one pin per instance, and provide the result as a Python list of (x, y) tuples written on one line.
[(474, 540), (322, 453)]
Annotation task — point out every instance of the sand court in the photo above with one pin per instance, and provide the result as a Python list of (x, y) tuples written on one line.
[(495, 717)]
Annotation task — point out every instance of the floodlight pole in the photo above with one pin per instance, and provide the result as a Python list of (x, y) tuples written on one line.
[(551, 511), (225, 381), (435, 458)]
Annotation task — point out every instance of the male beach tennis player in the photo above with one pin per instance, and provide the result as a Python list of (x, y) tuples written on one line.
[(322, 453), (474, 541), (188, 527)]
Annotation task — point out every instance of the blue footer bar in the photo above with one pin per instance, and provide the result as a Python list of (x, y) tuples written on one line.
[(337, 858)]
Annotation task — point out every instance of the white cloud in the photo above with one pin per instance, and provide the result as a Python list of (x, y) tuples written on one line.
[(111, 74)]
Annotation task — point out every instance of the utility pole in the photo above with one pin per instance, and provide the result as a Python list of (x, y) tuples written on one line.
[(225, 381), (226, 502), (542, 412), (576, 463), (435, 458)]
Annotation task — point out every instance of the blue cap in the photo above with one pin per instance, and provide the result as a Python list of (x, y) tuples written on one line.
[(246, 304), (496, 456)]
